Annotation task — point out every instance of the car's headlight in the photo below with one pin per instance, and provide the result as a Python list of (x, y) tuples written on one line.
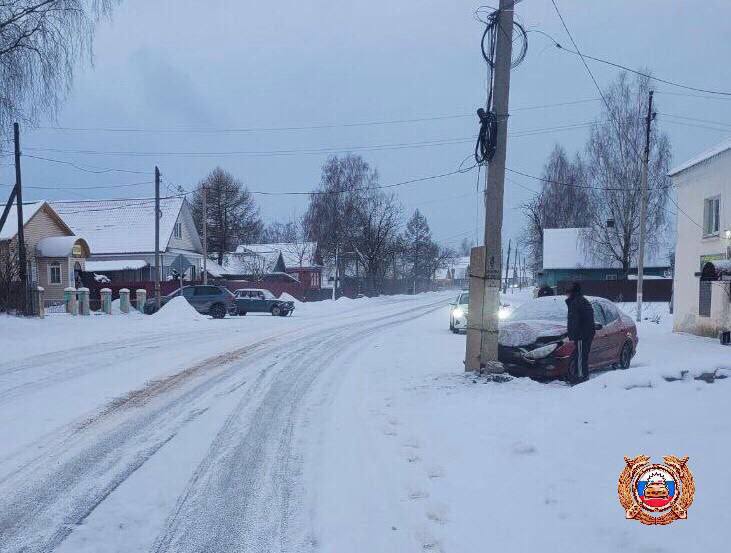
[(503, 313), (458, 312), (540, 353)]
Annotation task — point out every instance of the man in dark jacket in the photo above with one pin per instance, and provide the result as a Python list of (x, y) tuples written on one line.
[(580, 326)]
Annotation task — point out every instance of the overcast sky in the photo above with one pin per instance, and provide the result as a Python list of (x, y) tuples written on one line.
[(174, 64)]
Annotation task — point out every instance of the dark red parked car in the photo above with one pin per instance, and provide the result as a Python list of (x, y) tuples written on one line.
[(533, 339)]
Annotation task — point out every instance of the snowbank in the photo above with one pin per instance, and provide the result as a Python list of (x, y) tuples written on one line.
[(287, 297), (178, 309)]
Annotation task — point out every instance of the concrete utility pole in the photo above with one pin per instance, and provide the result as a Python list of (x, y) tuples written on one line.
[(157, 237), (205, 235), (643, 208), (335, 278), (22, 261), (482, 328)]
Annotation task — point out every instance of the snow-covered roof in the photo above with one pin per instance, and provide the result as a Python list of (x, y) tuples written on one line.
[(120, 226), (700, 158), (214, 269), (115, 265), (246, 262), (10, 228), (291, 252), (564, 248), (59, 246)]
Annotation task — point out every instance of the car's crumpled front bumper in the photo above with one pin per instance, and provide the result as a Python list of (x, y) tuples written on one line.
[(516, 364)]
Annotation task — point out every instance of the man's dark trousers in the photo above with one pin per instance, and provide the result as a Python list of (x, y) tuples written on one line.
[(580, 359)]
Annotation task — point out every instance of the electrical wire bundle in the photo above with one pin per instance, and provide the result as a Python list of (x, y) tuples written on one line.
[(487, 135)]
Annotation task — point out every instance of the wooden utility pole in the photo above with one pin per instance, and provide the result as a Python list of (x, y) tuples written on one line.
[(482, 329), (643, 207), (205, 235), (157, 237), (22, 261), (507, 268)]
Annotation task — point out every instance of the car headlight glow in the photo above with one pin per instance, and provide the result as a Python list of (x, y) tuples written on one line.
[(503, 313), (541, 352), (458, 312)]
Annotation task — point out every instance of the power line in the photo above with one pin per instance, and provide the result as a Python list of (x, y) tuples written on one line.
[(234, 130), (576, 52), (63, 187), (95, 170), (316, 151)]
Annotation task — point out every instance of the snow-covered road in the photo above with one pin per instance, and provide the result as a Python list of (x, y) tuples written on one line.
[(207, 457), (348, 427)]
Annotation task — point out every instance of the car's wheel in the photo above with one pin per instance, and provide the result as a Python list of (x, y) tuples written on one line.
[(218, 311), (625, 356), (284, 313), (451, 324), (276, 311), (242, 313)]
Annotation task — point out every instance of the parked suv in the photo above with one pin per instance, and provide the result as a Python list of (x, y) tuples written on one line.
[(215, 301), (261, 301)]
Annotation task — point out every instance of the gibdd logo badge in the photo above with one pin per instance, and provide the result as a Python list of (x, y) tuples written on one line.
[(656, 493)]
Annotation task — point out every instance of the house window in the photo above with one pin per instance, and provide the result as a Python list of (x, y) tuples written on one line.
[(610, 276), (178, 230), (711, 216), (54, 273)]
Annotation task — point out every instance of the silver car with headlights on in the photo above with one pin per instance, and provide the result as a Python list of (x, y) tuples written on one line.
[(458, 313)]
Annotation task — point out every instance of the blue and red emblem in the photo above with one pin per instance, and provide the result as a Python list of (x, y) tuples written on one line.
[(656, 488)]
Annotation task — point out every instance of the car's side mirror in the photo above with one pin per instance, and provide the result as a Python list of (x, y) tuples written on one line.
[(598, 326)]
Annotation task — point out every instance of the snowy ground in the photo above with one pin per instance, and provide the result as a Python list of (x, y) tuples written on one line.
[(347, 427)]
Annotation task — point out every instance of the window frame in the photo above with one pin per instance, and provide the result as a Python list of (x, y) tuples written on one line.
[(711, 216), (178, 230), (51, 266)]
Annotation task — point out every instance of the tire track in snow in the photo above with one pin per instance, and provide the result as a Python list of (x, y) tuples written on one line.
[(53, 491), (245, 495)]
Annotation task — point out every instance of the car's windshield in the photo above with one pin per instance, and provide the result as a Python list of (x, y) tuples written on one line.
[(542, 309), (464, 299), (268, 295)]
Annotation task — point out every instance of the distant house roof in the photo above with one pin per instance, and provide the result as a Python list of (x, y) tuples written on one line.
[(564, 249), (10, 228), (700, 158), (120, 226), (292, 252), (245, 262)]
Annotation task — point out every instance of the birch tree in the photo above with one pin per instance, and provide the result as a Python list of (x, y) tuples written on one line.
[(614, 170)]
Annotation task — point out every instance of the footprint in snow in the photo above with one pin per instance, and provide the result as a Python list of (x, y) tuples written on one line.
[(522, 448)]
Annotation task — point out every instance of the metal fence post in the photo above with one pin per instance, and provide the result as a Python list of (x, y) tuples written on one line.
[(106, 295), (69, 298), (124, 300), (83, 301), (39, 299), (141, 299)]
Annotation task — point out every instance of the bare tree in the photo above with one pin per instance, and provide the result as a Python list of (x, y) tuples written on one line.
[(233, 217), (614, 167), (563, 202), (40, 43), (278, 232), (334, 206), (10, 283), (378, 222), (465, 247)]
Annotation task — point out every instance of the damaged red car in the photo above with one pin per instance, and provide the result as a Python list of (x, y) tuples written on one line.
[(533, 338)]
